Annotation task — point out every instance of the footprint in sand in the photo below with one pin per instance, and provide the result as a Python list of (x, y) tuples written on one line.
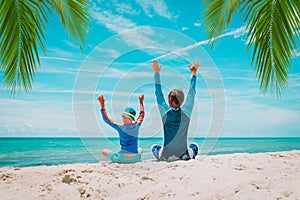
[(239, 167), (65, 171), (87, 171), (68, 179), (5, 177), (145, 178), (286, 194)]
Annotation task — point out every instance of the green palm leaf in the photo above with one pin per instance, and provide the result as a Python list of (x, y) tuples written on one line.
[(23, 24), (218, 15), (74, 17), (272, 26), (21, 32)]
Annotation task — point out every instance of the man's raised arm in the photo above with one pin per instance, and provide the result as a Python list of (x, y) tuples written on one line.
[(163, 107), (189, 104)]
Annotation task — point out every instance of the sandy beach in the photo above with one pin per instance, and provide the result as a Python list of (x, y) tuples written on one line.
[(233, 176)]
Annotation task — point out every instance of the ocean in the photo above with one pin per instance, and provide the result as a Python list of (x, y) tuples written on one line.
[(23, 152)]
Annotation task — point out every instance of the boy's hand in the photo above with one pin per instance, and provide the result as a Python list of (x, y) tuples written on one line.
[(155, 66), (195, 67), (141, 98), (101, 100)]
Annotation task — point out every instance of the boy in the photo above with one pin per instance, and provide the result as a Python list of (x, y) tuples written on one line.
[(175, 119), (128, 133)]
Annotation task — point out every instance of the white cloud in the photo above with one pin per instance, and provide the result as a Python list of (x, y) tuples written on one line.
[(258, 119), (115, 23), (296, 53), (197, 24), (294, 79), (71, 44), (140, 39), (184, 28), (280, 116), (6, 101), (143, 37), (60, 58), (237, 32), (244, 115), (28, 118), (112, 53), (115, 73), (121, 25), (123, 8), (56, 52), (152, 7), (183, 51)]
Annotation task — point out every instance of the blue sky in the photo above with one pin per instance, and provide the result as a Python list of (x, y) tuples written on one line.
[(124, 36)]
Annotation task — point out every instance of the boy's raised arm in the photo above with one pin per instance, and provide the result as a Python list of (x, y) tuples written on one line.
[(141, 98), (142, 111), (104, 113), (101, 101)]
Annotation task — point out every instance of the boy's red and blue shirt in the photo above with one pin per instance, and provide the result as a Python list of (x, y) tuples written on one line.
[(128, 133)]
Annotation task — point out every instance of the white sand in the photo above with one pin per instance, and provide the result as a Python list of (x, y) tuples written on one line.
[(236, 176)]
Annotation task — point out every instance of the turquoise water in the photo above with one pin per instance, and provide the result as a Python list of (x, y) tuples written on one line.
[(22, 152)]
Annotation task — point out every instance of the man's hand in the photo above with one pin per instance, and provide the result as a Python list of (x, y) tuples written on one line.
[(195, 67), (155, 66), (101, 100), (141, 98)]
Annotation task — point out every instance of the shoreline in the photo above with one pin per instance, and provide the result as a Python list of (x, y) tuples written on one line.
[(273, 175), (107, 161), (143, 138), (52, 151)]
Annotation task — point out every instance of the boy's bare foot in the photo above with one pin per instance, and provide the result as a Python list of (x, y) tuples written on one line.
[(105, 152), (140, 150)]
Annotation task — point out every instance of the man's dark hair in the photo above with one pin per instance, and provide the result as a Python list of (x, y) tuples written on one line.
[(177, 96)]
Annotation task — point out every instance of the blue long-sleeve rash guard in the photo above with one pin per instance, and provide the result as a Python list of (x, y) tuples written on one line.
[(175, 120), (128, 133)]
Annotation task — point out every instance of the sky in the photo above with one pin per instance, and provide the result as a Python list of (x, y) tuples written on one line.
[(124, 37)]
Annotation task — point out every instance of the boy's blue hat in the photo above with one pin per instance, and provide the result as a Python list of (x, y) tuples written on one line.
[(129, 112)]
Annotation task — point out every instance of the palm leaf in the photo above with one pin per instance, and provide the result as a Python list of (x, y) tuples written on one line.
[(22, 26), (22, 35), (74, 17), (272, 28), (218, 16)]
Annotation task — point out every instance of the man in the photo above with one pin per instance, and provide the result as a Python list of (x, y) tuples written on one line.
[(175, 118)]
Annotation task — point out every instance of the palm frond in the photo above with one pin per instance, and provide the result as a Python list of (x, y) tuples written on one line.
[(217, 16), (272, 27), (74, 17), (22, 35), (22, 26)]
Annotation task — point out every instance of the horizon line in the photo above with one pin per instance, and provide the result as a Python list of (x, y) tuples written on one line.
[(68, 137)]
